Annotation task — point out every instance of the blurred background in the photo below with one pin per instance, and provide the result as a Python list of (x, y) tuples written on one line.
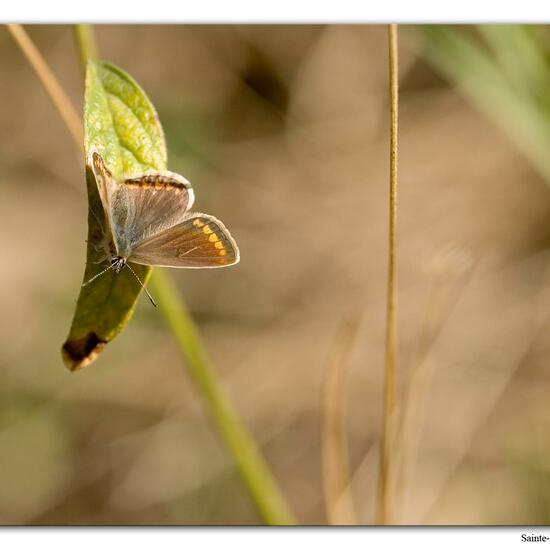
[(283, 131)]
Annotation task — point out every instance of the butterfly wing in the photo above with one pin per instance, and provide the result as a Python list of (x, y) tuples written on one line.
[(106, 185), (198, 241), (148, 204)]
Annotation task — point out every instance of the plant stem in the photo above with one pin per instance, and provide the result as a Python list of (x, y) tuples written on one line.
[(256, 474), (339, 505), (254, 470), (53, 88), (385, 481), (87, 46)]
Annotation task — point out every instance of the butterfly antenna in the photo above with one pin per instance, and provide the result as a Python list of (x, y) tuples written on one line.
[(98, 275), (142, 285)]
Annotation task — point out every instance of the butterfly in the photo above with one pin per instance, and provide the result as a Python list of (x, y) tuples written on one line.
[(148, 222)]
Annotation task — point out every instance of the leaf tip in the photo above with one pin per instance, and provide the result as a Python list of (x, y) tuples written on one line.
[(80, 353)]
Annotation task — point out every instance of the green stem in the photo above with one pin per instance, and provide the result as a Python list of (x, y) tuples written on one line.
[(84, 36), (253, 468)]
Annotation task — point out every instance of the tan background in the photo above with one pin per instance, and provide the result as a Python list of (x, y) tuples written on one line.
[(283, 132)]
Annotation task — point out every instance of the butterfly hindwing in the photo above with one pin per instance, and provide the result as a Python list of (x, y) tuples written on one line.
[(198, 241)]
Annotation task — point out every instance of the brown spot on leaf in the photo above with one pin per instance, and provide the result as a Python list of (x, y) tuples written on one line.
[(78, 354)]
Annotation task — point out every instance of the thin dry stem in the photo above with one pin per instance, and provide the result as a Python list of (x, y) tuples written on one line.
[(385, 480), (51, 85), (336, 475)]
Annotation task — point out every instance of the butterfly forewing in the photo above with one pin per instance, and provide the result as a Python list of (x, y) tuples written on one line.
[(199, 241), (147, 205), (106, 185)]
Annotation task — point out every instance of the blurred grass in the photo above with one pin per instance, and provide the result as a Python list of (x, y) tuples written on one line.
[(505, 71), (337, 490)]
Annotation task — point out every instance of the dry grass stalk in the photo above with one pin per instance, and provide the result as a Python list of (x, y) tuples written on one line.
[(51, 85), (336, 475), (385, 480)]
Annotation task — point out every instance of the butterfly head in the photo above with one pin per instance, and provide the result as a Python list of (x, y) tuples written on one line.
[(117, 263)]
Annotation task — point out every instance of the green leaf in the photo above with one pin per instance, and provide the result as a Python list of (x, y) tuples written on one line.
[(121, 122)]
